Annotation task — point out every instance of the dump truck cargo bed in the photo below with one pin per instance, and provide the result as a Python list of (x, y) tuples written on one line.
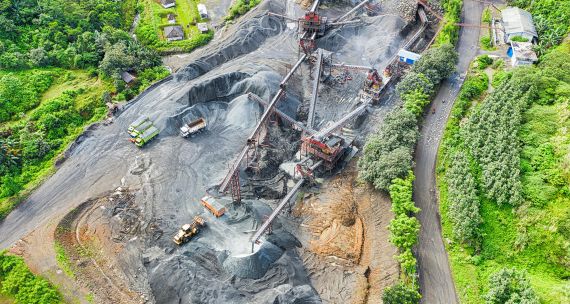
[(217, 208), (193, 127)]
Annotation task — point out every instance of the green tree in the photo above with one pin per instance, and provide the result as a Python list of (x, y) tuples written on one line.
[(437, 63), (413, 82), (510, 286), (416, 101), (401, 195), (388, 153), (404, 231)]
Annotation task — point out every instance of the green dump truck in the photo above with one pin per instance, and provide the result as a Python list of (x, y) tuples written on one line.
[(137, 123), (146, 136), (140, 129)]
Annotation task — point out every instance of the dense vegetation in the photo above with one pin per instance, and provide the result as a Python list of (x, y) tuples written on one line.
[(71, 34), (153, 21), (388, 159), (240, 7), (551, 18), (404, 228), (60, 62), (17, 281), (503, 178), (449, 32), (52, 112), (388, 153)]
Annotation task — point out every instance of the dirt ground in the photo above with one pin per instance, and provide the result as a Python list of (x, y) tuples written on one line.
[(346, 243)]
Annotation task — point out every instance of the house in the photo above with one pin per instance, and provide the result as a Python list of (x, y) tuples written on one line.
[(127, 77), (173, 33), (518, 22), (523, 53), (168, 3), (171, 18), (203, 11), (408, 57), (202, 27)]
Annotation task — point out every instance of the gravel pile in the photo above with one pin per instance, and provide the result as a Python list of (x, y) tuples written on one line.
[(407, 9), (255, 265)]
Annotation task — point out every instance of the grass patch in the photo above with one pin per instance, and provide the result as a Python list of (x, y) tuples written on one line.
[(63, 260), (36, 138), (240, 7)]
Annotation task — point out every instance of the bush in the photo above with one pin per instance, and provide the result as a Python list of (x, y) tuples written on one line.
[(401, 294), (474, 86), (486, 18), (240, 7), (484, 61), (17, 281), (510, 286), (486, 42)]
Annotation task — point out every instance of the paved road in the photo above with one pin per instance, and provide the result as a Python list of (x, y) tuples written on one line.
[(436, 282)]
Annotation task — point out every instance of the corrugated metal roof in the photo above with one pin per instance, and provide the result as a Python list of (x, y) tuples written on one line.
[(173, 31), (516, 20)]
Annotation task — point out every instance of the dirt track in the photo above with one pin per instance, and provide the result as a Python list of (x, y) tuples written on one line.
[(436, 282)]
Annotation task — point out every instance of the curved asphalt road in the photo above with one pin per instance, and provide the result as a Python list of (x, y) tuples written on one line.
[(436, 282)]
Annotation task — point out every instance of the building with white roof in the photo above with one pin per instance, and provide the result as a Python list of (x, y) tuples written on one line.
[(518, 22)]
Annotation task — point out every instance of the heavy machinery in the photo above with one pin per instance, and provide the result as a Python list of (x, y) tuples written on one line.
[(145, 137), (193, 127), (374, 84), (213, 205), (188, 231), (312, 25), (136, 131), (329, 150), (137, 123)]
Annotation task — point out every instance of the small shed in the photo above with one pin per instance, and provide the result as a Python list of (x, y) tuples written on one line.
[(171, 18), (203, 11), (518, 22), (168, 3), (173, 33), (523, 53), (127, 77), (408, 57), (202, 27)]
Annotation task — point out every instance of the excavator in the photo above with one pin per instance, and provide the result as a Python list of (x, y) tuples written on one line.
[(188, 231)]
